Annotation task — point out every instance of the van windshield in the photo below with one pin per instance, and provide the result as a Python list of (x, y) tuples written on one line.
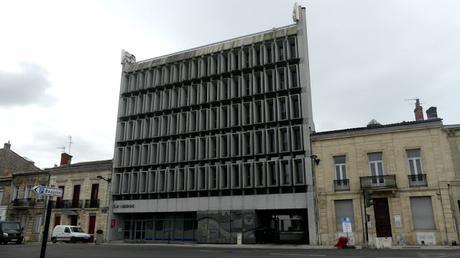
[(10, 226), (76, 229)]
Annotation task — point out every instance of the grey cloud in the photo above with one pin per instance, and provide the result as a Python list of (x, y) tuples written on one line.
[(28, 86)]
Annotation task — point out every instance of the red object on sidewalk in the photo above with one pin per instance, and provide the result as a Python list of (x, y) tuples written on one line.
[(342, 242)]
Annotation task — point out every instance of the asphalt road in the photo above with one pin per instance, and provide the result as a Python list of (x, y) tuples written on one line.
[(63, 250)]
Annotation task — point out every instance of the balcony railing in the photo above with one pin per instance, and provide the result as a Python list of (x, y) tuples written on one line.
[(23, 203), (92, 203), (72, 204), (417, 180), (341, 185), (378, 182)]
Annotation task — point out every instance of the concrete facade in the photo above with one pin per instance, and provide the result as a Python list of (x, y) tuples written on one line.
[(398, 147), (221, 129), (86, 197)]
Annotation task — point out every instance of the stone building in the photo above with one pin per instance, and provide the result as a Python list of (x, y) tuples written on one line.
[(86, 194), (17, 201), (453, 138), (10, 162), (213, 142), (404, 172)]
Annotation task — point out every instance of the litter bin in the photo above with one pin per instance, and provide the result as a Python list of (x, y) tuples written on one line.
[(99, 237)]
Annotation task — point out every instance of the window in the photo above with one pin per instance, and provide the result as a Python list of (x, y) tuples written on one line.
[(191, 178), (235, 86), (299, 172), (161, 180), (283, 108), (224, 117), (271, 141), (246, 113), (235, 115), (270, 110), (212, 151), (212, 177), (235, 169), (192, 149), (297, 143), (116, 184), (152, 181), (259, 146), (375, 163), (171, 173), (343, 209), (269, 78), (202, 178), (223, 177), (340, 167), (125, 183), (1, 195), (295, 106), (259, 174), (415, 162), (143, 182), (247, 144), (258, 83), (285, 173), (258, 112), (422, 213), (281, 78), (134, 182), (247, 175), (180, 179), (284, 139), (235, 142), (293, 77), (272, 173), (224, 146)]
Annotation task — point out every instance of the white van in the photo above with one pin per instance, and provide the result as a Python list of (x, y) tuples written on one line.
[(69, 233)]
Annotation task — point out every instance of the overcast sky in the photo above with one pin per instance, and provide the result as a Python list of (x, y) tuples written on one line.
[(60, 61)]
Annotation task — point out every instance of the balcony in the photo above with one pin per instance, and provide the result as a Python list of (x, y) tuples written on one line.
[(72, 204), (91, 204), (23, 203), (378, 182), (342, 185), (417, 180)]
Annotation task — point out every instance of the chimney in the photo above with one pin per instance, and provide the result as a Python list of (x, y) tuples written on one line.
[(7, 146), (66, 159), (418, 111), (431, 113)]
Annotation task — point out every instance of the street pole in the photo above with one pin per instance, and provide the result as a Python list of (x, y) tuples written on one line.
[(47, 225)]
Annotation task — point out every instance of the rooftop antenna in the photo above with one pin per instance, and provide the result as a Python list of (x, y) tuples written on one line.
[(414, 100), (70, 143), (62, 148)]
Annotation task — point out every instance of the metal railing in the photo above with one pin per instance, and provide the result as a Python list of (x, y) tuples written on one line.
[(27, 202), (342, 185), (72, 204), (378, 182), (417, 180), (92, 203)]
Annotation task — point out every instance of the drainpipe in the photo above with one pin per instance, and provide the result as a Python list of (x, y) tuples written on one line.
[(446, 242)]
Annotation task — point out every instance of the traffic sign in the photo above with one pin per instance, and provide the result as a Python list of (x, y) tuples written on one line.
[(47, 191), (346, 225)]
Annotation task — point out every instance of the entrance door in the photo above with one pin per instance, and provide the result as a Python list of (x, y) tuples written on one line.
[(91, 226), (139, 232), (57, 220), (382, 217)]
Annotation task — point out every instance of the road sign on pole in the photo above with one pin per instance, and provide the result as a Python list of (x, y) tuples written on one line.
[(47, 191), (50, 192)]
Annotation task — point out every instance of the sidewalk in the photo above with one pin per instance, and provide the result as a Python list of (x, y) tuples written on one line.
[(287, 247)]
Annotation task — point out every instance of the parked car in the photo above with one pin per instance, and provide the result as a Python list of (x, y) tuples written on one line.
[(11, 232), (69, 233)]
